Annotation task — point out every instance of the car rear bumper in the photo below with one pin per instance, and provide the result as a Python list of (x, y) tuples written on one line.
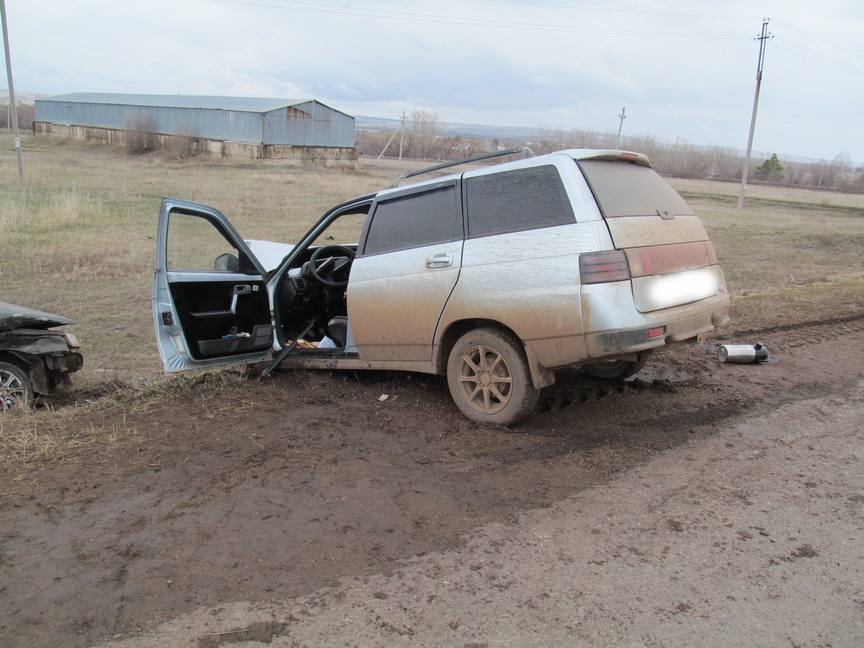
[(642, 331), (613, 327)]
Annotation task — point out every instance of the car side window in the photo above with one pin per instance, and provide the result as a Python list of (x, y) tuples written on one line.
[(512, 201), (414, 220), (194, 243)]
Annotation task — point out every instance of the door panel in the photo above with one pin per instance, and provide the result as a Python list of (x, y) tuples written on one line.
[(210, 301), (220, 317), (395, 300)]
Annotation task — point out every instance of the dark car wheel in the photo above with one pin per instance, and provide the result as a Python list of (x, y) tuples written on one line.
[(16, 390), (616, 369), (489, 378)]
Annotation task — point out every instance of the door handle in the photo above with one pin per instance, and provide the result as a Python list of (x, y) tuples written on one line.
[(442, 260), (239, 289)]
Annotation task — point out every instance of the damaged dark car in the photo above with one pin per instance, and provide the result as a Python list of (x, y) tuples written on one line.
[(34, 359)]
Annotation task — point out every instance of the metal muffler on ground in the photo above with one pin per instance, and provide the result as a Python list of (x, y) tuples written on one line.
[(742, 353)]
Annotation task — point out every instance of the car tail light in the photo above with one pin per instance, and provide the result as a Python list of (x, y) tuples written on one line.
[(665, 259), (603, 267)]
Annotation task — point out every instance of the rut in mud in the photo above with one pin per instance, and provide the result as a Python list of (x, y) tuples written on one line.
[(263, 489)]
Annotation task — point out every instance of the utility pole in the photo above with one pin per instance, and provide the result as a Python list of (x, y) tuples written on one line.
[(762, 38), (402, 136), (621, 117), (12, 104)]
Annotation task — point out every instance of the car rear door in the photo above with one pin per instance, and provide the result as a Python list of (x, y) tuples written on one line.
[(210, 302)]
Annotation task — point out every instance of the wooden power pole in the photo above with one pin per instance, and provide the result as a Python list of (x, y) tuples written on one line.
[(621, 119), (12, 104), (762, 38)]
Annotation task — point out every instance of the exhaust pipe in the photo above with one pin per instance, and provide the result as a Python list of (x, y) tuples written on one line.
[(742, 353)]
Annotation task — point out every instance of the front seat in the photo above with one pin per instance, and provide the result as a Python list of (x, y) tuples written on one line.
[(337, 330)]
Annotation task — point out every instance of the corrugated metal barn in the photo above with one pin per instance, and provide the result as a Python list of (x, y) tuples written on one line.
[(256, 121)]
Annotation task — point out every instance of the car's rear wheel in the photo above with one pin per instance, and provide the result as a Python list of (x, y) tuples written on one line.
[(16, 390), (489, 377), (616, 369)]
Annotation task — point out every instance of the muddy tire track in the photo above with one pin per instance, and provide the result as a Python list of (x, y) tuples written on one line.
[(791, 336)]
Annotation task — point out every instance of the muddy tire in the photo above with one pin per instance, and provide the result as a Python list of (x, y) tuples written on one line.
[(616, 369), (16, 390), (489, 377)]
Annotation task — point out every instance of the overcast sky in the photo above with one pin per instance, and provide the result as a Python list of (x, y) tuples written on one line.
[(682, 68)]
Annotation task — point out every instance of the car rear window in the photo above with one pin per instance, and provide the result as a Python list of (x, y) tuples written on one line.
[(518, 200), (627, 189)]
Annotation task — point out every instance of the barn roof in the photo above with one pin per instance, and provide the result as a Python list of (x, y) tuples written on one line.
[(245, 104)]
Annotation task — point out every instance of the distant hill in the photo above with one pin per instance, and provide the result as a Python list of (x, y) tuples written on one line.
[(527, 134), (362, 122)]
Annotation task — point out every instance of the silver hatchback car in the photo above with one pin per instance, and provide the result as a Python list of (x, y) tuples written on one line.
[(494, 277)]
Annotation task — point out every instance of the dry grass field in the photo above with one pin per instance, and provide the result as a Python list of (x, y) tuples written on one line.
[(761, 192), (133, 499)]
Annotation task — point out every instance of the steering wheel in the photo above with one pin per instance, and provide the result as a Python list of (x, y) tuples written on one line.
[(329, 262)]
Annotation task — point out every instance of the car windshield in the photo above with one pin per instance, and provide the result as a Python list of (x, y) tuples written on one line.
[(345, 230)]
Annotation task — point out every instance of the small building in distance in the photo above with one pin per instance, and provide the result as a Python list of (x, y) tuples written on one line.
[(220, 126)]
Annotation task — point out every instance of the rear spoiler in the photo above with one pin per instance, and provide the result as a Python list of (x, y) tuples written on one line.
[(612, 155)]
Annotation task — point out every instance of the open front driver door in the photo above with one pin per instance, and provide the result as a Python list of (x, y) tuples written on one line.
[(210, 301)]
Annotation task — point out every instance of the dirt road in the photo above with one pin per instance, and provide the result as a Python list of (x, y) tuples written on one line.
[(697, 504)]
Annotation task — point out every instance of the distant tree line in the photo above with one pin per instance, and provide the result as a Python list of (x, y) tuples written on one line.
[(26, 116), (424, 138)]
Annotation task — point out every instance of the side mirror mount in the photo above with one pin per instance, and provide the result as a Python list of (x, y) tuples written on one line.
[(228, 262)]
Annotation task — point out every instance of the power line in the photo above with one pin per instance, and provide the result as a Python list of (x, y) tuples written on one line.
[(816, 38), (837, 65), (623, 11), (387, 14)]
